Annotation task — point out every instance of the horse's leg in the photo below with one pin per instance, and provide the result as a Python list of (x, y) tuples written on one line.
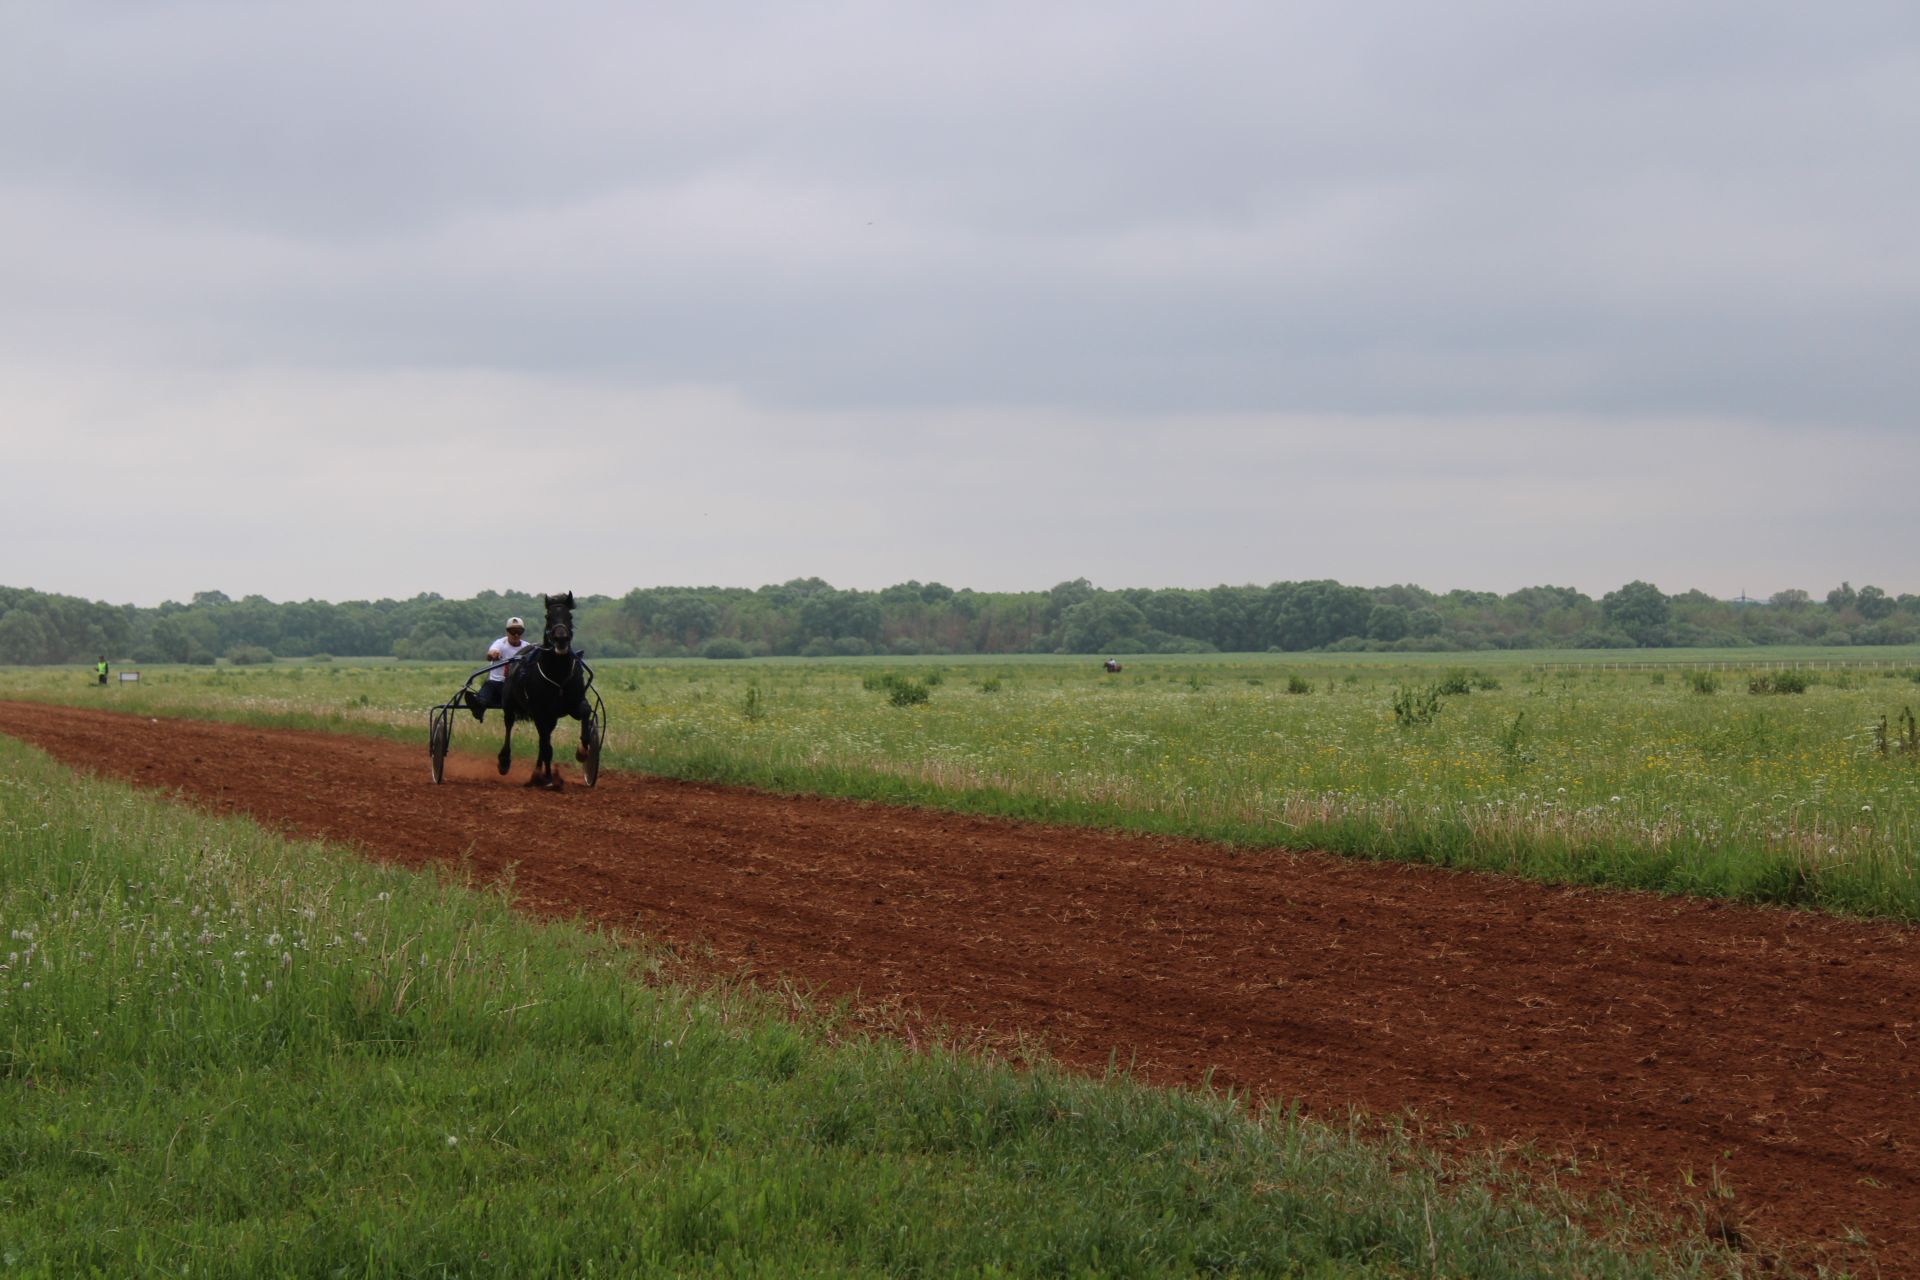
[(581, 713), (506, 747), (543, 758)]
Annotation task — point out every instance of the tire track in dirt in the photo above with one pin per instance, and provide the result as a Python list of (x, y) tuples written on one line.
[(1661, 1039)]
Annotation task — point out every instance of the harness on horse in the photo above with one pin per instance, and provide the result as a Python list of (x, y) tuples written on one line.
[(572, 670)]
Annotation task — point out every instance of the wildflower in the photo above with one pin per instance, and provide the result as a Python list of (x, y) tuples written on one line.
[(452, 1141)]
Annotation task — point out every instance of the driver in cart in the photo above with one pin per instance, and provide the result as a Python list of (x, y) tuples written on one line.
[(507, 647)]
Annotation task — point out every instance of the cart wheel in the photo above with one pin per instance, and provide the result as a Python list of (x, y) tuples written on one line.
[(439, 732), (595, 735)]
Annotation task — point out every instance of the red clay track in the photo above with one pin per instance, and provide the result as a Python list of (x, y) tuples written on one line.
[(1659, 1037)]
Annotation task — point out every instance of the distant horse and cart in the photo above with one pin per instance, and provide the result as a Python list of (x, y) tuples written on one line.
[(548, 682)]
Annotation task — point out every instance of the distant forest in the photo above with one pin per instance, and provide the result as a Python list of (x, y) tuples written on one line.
[(810, 618)]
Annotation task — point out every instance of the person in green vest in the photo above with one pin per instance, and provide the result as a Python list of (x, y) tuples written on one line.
[(100, 668)]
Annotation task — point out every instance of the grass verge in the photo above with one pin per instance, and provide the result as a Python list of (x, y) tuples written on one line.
[(227, 1055)]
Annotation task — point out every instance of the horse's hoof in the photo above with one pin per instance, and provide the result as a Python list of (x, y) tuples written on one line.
[(558, 784), (535, 781), (580, 754), (504, 766)]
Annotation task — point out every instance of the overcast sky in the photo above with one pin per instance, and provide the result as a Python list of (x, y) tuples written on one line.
[(353, 300)]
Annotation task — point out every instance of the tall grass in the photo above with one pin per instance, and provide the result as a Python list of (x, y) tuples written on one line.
[(225, 1055), (1591, 776)]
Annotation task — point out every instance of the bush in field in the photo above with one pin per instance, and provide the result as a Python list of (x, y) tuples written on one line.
[(1454, 684), (1905, 737), (723, 647), (1779, 682), (901, 691), (249, 655), (1703, 682), (1512, 742), (1297, 685), (1416, 706)]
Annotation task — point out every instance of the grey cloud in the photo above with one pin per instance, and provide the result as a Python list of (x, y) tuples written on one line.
[(1491, 207), (994, 293)]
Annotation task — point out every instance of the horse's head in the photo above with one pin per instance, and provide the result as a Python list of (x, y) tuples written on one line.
[(558, 635)]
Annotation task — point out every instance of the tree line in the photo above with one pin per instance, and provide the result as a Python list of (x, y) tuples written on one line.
[(808, 617)]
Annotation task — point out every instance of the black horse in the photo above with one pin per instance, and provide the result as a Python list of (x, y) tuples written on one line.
[(543, 686)]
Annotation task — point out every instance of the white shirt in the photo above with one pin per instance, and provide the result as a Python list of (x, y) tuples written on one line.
[(502, 649)]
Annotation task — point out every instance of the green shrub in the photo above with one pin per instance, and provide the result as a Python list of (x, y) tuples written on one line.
[(723, 647), (1905, 737), (1296, 685), (1703, 682), (1454, 684), (1512, 741), (1779, 682), (901, 691), (1416, 706), (249, 655)]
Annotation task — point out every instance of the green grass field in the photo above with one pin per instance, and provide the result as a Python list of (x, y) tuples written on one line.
[(225, 1055), (1666, 774)]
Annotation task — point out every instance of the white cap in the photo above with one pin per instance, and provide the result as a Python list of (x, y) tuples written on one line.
[(515, 622)]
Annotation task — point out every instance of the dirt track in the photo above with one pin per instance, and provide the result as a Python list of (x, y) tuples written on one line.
[(1657, 1038)]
